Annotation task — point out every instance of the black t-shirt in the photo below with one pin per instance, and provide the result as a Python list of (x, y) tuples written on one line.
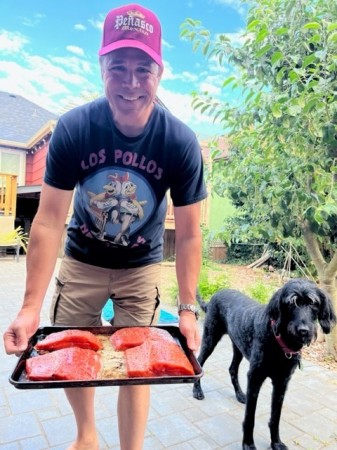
[(121, 182)]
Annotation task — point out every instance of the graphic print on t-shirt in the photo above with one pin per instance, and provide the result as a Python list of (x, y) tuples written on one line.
[(118, 203)]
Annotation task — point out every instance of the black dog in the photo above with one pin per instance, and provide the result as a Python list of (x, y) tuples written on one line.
[(270, 337)]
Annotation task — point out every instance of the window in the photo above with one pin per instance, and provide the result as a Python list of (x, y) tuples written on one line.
[(13, 162), (10, 163)]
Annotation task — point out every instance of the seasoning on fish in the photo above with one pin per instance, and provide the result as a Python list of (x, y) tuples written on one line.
[(137, 361)]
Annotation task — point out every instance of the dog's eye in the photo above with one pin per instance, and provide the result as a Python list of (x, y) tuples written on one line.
[(313, 301), (293, 300)]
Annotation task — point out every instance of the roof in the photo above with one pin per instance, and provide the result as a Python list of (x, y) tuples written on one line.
[(21, 119)]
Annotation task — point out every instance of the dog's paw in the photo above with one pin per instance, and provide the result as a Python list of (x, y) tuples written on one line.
[(241, 397), (248, 446), (278, 446), (198, 394)]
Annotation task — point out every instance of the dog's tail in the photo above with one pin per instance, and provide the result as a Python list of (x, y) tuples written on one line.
[(201, 302)]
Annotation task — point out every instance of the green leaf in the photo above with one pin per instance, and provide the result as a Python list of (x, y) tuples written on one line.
[(280, 74), (294, 110), (261, 35), (249, 96), (197, 104), (192, 35), (309, 60), (205, 108), (282, 30), (286, 123), (204, 33), (228, 81), (276, 57), (311, 26), (205, 48), (315, 39), (192, 22), (332, 37), (252, 25), (223, 38), (263, 50), (332, 27), (293, 76), (196, 45), (276, 110), (310, 105)]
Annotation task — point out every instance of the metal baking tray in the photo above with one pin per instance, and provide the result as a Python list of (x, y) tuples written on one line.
[(19, 380)]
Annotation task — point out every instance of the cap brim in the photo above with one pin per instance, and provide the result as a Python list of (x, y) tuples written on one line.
[(133, 44)]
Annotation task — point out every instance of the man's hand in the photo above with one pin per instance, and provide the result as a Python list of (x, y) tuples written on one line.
[(188, 326), (19, 331)]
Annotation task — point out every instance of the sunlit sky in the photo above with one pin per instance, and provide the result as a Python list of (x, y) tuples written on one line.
[(48, 51)]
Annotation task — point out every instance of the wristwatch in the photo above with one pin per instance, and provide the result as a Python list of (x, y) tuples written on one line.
[(188, 307)]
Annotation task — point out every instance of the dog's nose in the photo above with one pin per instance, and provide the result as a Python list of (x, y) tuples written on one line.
[(303, 330)]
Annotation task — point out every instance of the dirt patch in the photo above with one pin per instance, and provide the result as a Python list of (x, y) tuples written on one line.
[(317, 354), (243, 279)]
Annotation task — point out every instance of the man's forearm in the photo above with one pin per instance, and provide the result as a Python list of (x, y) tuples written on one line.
[(188, 264), (41, 259)]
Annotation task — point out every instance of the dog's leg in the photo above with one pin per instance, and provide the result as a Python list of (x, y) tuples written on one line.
[(210, 339), (234, 371), (279, 390), (255, 380)]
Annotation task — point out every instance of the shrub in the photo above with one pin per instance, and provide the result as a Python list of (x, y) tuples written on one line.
[(210, 285), (259, 292)]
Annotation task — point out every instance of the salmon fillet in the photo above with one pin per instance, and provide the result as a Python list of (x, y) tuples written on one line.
[(169, 359), (158, 334), (137, 361), (129, 337), (66, 364), (155, 358), (70, 338), (134, 336)]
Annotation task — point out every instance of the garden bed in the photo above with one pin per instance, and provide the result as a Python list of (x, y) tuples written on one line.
[(243, 279)]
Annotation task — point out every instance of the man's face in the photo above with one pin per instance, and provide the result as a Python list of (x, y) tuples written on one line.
[(131, 79)]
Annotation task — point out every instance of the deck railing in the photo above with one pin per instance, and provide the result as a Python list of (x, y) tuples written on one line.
[(169, 220), (8, 192)]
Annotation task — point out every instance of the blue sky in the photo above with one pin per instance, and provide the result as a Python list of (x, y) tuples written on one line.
[(48, 51)]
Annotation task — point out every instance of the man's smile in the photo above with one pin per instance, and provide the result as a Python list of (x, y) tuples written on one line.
[(130, 98)]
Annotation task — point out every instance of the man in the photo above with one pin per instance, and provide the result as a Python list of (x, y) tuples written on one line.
[(122, 153)]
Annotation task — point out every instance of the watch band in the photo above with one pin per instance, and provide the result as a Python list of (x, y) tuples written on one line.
[(188, 307)]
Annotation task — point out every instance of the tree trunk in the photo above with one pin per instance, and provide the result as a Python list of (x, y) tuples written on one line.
[(327, 272)]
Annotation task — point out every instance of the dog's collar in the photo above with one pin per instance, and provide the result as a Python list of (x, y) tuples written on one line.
[(287, 351)]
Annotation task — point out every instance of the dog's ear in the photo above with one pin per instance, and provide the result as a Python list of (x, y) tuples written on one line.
[(326, 315), (273, 308)]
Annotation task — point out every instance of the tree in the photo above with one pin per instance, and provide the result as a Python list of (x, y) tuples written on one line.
[(282, 168)]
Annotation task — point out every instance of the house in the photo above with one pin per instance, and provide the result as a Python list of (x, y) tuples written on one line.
[(25, 132)]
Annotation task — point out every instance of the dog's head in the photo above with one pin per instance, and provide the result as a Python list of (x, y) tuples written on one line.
[(295, 310)]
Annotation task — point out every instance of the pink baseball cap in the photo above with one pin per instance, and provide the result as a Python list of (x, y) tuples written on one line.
[(132, 26)]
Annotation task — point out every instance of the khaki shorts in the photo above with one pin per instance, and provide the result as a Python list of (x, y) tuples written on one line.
[(82, 291)]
